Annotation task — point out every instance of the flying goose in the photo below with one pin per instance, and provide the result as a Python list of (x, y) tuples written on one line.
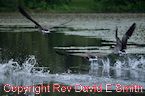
[(121, 45), (41, 29), (25, 14)]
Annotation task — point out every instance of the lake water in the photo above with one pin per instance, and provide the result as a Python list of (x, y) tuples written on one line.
[(28, 57)]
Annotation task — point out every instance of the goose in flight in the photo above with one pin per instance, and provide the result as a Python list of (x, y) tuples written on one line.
[(121, 45), (25, 14), (41, 29)]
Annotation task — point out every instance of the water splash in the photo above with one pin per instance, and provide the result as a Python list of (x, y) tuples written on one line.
[(130, 68), (28, 74), (13, 73)]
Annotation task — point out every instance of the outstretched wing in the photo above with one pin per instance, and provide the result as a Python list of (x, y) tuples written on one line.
[(116, 35), (24, 13), (61, 25), (127, 35), (118, 41)]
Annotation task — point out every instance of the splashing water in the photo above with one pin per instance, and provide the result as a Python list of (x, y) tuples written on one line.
[(28, 74), (131, 68), (13, 73)]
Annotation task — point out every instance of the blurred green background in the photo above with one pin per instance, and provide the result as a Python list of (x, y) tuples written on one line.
[(132, 6)]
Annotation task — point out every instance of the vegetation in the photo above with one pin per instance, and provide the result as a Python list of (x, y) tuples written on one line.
[(76, 5)]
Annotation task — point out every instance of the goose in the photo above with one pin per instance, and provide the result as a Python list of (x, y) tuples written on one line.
[(25, 14), (121, 45), (40, 28)]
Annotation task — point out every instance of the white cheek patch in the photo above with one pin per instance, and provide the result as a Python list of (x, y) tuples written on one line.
[(93, 59), (122, 53), (45, 31)]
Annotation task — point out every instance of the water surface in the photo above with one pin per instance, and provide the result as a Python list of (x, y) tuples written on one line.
[(28, 57)]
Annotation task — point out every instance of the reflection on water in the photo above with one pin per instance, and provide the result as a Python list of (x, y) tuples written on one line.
[(19, 46), (28, 57)]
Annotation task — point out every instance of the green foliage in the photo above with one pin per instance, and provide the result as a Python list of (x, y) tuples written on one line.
[(8, 4), (76, 5), (120, 5)]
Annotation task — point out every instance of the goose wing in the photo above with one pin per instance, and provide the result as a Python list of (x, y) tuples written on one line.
[(118, 41), (24, 13), (127, 35)]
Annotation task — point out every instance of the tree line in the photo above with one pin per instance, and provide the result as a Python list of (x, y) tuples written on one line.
[(96, 6)]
